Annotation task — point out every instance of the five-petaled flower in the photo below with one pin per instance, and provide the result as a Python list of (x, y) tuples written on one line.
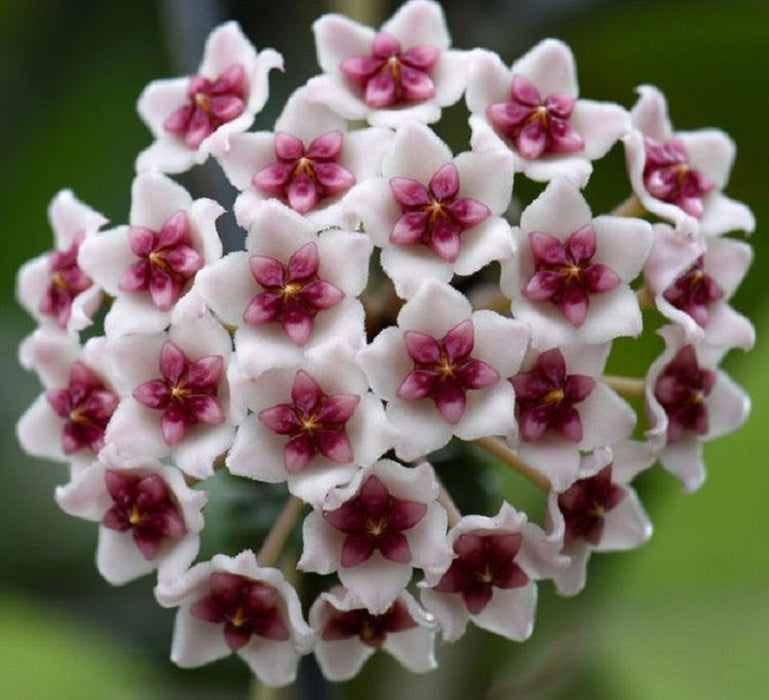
[(403, 72), (376, 529), (348, 633), (186, 393), (149, 517), (533, 109), (232, 604), (679, 175), (314, 422), (490, 579), (194, 116), (688, 401), (54, 288), (599, 511)]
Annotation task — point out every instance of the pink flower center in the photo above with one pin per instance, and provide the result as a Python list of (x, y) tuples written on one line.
[(314, 421), (374, 519), (371, 629), (693, 292), (483, 562), (564, 274), (681, 389), (304, 177), (545, 398), (293, 294), (444, 370), (210, 103), (186, 393), (86, 406), (536, 126), (585, 503), (669, 177), (245, 607), (391, 77), (144, 505), (167, 261), (434, 216), (67, 281)]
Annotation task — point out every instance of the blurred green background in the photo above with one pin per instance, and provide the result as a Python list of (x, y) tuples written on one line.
[(686, 616)]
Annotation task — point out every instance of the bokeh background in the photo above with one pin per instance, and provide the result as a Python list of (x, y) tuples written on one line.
[(686, 616)]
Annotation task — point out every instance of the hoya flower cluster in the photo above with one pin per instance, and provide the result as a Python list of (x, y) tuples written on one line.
[(362, 329)]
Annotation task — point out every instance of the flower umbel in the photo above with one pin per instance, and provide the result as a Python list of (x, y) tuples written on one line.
[(361, 348)]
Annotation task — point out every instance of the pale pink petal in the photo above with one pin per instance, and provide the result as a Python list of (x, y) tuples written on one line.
[(710, 151), (650, 113), (487, 412), (196, 642), (600, 124), (257, 453), (39, 431), (510, 613), (490, 240), (434, 309), (723, 214), (118, 558), (377, 581), (606, 418), (419, 428), (626, 527), (623, 244), (196, 454), (409, 266), (155, 198), (550, 67), (559, 210), (106, 257), (338, 38), (418, 23), (273, 662)]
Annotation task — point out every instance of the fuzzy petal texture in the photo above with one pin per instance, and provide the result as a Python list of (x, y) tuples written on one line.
[(549, 67), (560, 211), (709, 151), (135, 430), (226, 47), (509, 611), (197, 642), (258, 451), (419, 425), (378, 581), (418, 154), (73, 223), (625, 526), (727, 406), (118, 558), (417, 23)]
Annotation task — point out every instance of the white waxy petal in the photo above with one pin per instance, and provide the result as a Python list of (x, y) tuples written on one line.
[(155, 198), (550, 66)]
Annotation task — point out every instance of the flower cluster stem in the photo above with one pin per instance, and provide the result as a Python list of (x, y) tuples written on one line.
[(630, 207), (645, 299), (628, 387), (500, 450), (445, 499), (277, 536)]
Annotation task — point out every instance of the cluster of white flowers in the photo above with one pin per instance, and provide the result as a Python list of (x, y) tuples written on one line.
[(258, 361)]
